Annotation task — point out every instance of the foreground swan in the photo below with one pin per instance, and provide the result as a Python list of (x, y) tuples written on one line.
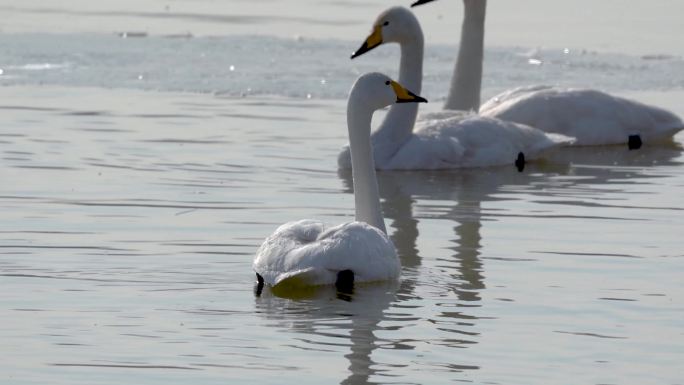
[(443, 140), (307, 252), (592, 117)]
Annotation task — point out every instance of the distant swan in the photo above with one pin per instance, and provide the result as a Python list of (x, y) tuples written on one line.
[(307, 252), (592, 117), (442, 140)]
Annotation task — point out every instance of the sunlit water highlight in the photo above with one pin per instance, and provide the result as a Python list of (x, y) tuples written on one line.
[(302, 68)]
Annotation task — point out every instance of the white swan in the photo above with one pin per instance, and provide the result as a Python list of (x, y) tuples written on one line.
[(592, 117), (443, 140), (307, 252)]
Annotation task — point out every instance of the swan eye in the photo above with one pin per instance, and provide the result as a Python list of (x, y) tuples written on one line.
[(385, 23), (387, 83)]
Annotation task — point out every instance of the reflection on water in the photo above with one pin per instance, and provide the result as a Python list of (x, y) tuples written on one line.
[(351, 323), (130, 221), (460, 195)]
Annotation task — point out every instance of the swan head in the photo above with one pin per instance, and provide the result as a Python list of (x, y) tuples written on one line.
[(375, 91), (394, 25)]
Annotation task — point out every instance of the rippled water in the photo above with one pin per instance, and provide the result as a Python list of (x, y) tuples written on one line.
[(130, 220), (131, 212), (302, 68)]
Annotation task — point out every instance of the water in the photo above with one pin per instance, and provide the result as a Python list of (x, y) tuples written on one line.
[(240, 66), (640, 27), (131, 209)]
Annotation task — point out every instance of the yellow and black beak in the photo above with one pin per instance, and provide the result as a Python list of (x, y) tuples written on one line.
[(404, 95), (420, 2), (372, 41)]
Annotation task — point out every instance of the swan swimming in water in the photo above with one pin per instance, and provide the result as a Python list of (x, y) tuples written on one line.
[(307, 252), (592, 117), (442, 140)]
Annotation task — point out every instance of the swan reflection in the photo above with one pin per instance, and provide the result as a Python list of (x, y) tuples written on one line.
[(453, 281)]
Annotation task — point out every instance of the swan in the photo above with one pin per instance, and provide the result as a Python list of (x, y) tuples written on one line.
[(309, 253), (443, 140), (592, 117)]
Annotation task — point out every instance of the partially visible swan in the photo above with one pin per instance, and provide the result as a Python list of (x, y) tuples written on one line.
[(592, 117), (444, 140), (307, 252)]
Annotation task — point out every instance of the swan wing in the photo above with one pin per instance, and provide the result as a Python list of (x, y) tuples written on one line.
[(473, 141), (445, 114)]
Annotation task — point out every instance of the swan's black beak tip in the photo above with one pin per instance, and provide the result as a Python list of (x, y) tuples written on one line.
[(413, 99), (420, 2), (363, 49)]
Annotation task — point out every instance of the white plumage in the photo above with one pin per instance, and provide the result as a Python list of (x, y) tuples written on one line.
[(307, 253), (465, 141), (439, 140), (592, 117)]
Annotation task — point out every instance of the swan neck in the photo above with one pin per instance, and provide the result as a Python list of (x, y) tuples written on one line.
[(366, 194), (398, 124), (411, 62), (466, 84)]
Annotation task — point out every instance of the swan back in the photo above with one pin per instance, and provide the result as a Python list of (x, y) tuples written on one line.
[(472, 141), (307, 252), (591, 116)]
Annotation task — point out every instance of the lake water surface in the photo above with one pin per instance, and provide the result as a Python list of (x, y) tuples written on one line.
[(139, 176)]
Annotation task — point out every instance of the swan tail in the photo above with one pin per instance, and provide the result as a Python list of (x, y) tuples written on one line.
[(670, 129), (551, 142)]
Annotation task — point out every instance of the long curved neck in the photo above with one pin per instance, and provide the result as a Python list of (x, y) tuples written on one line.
[(366, 196), (466, 83), (399, 121)]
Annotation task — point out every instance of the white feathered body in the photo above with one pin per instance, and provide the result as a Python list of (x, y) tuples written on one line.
[(592, 117), (448, 140), (308, 253)]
